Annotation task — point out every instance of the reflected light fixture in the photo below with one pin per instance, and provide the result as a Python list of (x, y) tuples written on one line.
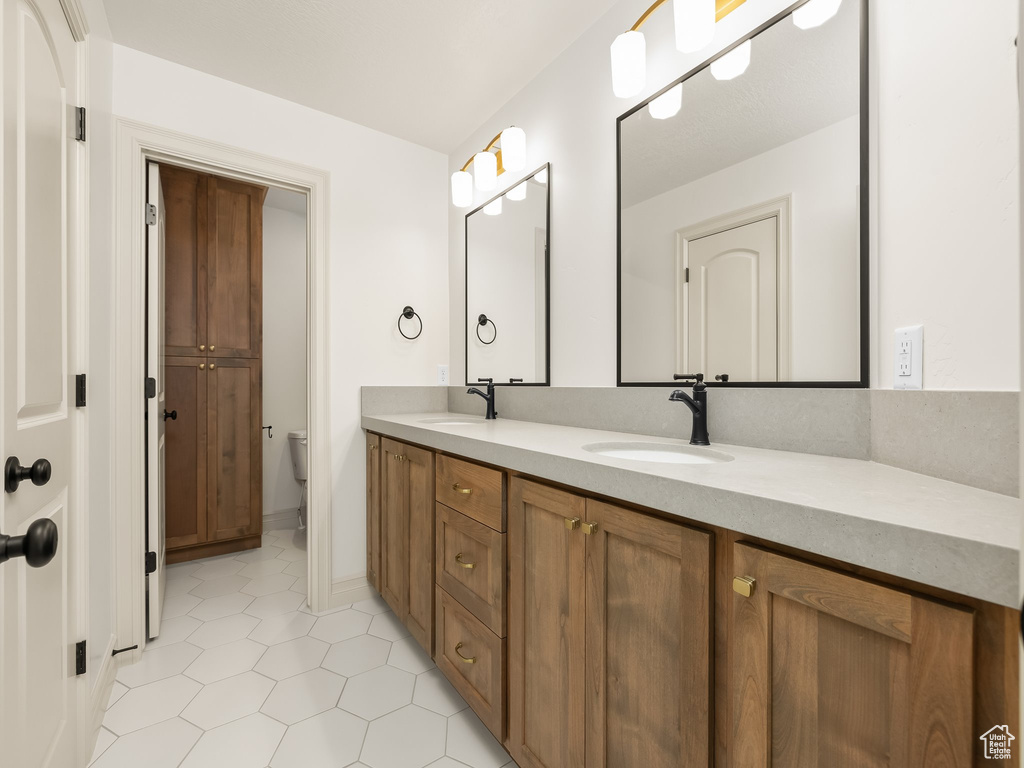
[(695, 24), (493, 208), (488, 165), (733, 64), (815, 13), (518, 192), (668, 104)]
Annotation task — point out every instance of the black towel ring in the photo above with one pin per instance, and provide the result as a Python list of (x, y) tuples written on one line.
[(480, 323), (409, 313)]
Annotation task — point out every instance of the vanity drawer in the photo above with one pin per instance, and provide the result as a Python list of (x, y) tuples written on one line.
[(470, 566), (476, 491), (473, 659)]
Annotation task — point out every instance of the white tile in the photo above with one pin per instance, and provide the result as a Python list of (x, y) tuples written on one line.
[(435, 693), (160, 746), (174, 631), (301, 585), (296, 569), (158, 663), (262, 553), (293, 555), (292, 657), (328, 740), (264, 568), (339, 626), (275, 604), (268, 585), (447, 762), (150, 704), (225, 585), (377, 692), (291, 538), (409, 738), (103, 740), (304, 695), (246, 743), (225, 661), (278, 629), (372, 605), (408, 655), (217, 569), (179, 605), (180, 585), (357, 655), (223, 631), (228, 700), (268, 540), (388, 626), (219, 607), (182, 569), (471, 743), (116, 693)]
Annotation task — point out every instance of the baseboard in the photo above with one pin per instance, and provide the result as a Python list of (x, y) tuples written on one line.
[(281, 520), (348, 591), (96, 705)]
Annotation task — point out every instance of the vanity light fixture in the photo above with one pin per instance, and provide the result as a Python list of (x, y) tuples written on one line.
[(815, 13), (485, 171), (668, 104), (488, 165), (733, 64), (493, 208), (518, 192)]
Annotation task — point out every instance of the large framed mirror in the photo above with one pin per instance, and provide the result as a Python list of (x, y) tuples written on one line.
[(743, 214), (507, 312)]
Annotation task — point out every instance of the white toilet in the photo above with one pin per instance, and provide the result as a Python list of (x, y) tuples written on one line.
[(298, 440)]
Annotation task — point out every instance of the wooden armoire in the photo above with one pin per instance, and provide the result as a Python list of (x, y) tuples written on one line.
[(214, 371)]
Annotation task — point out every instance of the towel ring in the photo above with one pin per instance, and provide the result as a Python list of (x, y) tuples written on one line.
[(482, 321), (409, 313)]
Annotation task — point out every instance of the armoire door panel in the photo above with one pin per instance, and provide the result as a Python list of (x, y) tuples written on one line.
[(235, 506), (185, 501), (185, 279)]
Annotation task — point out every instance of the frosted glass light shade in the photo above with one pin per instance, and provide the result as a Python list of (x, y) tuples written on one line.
[(695, 24), (629, 64), (485, 171), (733, 64), (668, 104), (815, 13), (462, 189), (518, 192), (493, 208), (541, 177), (513, 149)]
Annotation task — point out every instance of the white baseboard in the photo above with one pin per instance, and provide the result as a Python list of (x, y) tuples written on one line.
[(96, 704), (348, 591), (281, 520)]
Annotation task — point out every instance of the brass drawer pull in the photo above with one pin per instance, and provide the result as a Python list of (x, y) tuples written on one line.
[(572, 523), (467, 491), (465, 659), (399, 457), (744, 585), (589, 528), (458, 559)]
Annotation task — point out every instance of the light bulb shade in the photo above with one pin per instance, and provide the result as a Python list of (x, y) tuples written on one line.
[(733, 64), (485, 171), (493, 208), (815, 13), (541, 176), (695, 24), (513, 149), (518, 192), (668, 104), (629, 64), (462, 189)]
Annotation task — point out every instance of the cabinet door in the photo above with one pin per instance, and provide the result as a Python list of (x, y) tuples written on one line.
[(648, 641), (185, 503), (394, 528), (235, 268), (420, 620), (235, 454), (832, 670), (373, 499), (185, 274), (546, 630)]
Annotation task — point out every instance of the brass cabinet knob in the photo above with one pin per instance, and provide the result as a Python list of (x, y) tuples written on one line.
[(399, 457), (572, 523), (465, 659), (589, 528), (373, 447), (202, 366), (212, 347), (744, 585), (212, 366), (202, 347), (462, 564), (466, 491)]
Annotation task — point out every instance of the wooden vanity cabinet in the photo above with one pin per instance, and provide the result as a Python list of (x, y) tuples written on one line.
[(373, 499)]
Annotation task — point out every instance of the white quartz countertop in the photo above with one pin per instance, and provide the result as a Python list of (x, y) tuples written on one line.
[(932, 531)]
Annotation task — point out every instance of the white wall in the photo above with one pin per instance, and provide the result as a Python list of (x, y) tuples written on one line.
[(946, 173), (284, 352), (387, 243)]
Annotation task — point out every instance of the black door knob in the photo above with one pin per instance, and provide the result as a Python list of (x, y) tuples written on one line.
[(172, 415), (37, 546), (14, 473)]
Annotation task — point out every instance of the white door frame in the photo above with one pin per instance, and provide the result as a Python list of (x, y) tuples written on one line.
[(135, 144), (781, 208)]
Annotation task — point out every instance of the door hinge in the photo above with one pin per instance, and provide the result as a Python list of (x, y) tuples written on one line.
[(151, 562), (150, 214), (150, 387), (686, 275), (80, 123), (80, 658), (80, 390)]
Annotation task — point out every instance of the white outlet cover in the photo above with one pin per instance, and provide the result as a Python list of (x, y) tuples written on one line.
[(442, 375), (908, 358)]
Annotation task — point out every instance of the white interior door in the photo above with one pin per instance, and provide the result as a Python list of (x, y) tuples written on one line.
[(155, 406), (732, 303), (38, 605)]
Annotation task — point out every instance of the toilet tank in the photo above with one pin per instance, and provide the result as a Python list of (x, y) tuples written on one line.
[(297, 440)]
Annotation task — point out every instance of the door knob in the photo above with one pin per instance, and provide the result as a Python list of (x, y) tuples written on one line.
[(37, 546), (14, 473), (172, 415)]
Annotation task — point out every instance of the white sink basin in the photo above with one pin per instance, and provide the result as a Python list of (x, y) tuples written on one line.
[(659, 453), (448, 421)]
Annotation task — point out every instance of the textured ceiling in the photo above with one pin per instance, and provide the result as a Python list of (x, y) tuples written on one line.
[(429, 72), (799, 81)]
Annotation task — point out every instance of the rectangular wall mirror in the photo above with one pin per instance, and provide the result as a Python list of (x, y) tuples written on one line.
[(743, 214), (507, 285)]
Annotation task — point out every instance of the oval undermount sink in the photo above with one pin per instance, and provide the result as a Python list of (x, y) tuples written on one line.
[(448, 421), (659, 453)]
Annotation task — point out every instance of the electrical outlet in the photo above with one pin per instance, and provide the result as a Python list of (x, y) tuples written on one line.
[(442, 375), (908, 361)]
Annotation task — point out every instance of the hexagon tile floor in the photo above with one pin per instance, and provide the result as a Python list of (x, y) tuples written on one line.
[(243, 676)]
